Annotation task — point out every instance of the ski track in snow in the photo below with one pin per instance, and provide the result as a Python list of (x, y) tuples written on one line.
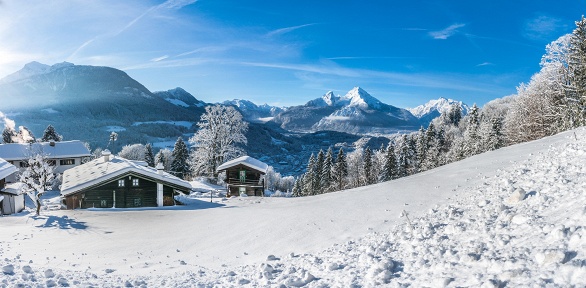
[(522, 227)]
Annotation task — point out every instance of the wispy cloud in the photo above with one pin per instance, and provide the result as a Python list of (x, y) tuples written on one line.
[(485, 64), (287, 30), (541, 27), (447, 32), (160, 58), (370, 57)]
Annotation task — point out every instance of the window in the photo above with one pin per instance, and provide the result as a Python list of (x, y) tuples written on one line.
[(67, 162), (103, 203), (241, 190), (23, 164), (135, 182), (137, 202), (121, 183), (242, 175), (51, 162)]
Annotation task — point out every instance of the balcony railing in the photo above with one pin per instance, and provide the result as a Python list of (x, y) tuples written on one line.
[(248, 182)]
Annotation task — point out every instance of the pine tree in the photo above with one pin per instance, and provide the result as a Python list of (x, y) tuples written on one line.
[(51, 135), (340, 170), (471, 136), (311, 177), (495, 136), (298, 187), (179, 166), (8, 135), (148, 155), (389, 171), (420, 149), (326, 175), (368, 177), (404, 157), (319, 169)]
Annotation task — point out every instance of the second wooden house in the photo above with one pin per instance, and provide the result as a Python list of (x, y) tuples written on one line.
[(244, 176)]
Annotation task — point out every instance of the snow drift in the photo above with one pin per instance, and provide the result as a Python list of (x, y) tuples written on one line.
[(513, 217)]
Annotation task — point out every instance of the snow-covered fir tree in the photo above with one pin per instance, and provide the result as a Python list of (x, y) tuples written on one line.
[(340, 171), (326, 173), (51, 135), (148, 155), (389, 170), (367, 167), (25, 135), (311, 178), (179, 166), (8, 135)]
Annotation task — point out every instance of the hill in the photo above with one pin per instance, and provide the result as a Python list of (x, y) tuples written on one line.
[(513, 216)]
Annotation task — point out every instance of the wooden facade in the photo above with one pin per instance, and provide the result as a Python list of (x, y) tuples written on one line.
[(243, 179), (126, 191)]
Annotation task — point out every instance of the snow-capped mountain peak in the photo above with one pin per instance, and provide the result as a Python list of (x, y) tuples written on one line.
[(435, 108), (32, 69), (359, 97)]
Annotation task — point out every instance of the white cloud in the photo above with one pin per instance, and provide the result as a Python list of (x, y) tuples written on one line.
[(160, 58), (287, 30), (485, 64), (447, 32), (541, 27)]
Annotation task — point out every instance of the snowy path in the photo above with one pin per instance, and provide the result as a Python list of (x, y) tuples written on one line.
[(466, 230)]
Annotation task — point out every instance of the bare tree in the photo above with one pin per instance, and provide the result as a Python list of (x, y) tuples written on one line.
[(221, 129), (37, 178)]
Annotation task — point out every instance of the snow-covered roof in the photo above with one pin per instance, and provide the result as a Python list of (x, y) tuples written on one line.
[(6, 169), (13, 188), (63, 149), (99, 171), (246, 161)]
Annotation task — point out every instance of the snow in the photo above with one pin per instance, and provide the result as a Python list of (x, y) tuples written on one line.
[(450, 226), (6, 169), (265, 119), (185, 124), (50, 110), (440, 105), (246, 161), (62, 149), (115, 128), (177, 102)]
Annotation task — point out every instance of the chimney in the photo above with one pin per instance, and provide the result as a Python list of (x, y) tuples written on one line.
[(52, 143), (160, 168), (106, 154)]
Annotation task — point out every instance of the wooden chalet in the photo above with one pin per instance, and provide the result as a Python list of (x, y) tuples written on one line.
[(114, 182), (244, 175)]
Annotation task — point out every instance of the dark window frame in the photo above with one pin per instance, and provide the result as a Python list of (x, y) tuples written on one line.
[(66, 162)]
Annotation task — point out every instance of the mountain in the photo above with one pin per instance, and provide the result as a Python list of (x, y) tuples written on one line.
[(434, 108), (180, 97), (252, 112), (87, 102), (356, 112)]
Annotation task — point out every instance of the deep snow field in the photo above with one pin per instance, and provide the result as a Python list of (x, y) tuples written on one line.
[(512, 217)]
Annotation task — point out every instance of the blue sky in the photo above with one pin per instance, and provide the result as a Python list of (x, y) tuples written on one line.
[(288, 52)]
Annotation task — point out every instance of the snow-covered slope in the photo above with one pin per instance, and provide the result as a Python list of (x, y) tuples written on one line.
[(434, 108), (512, 217)]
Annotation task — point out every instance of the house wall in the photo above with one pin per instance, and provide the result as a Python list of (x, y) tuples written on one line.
[(59, 168), (143, 195), (11, 204), (252, 182)]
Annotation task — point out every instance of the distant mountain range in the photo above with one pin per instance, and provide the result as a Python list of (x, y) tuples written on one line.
[(434, 108), (88, 102)]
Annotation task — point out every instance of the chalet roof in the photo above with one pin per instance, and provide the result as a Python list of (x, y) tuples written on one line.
[(13, 188), (63, 149), (100, 171), (246, 161), (6, 169)]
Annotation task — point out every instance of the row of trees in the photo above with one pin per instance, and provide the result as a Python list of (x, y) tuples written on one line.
[(24, 135)]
